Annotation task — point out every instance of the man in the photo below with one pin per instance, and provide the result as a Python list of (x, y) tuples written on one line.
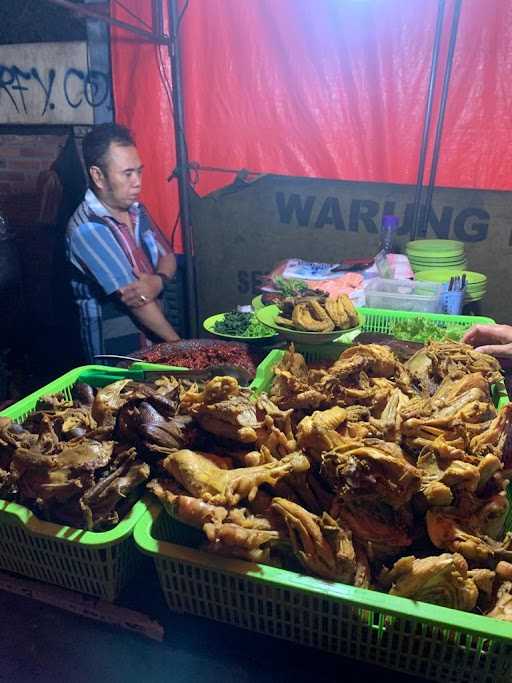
[(119, 258)]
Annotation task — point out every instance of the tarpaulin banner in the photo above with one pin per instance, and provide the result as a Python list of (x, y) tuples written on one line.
[(330, 88), (143, 102)]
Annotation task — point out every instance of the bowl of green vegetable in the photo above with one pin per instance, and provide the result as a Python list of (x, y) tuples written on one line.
[(241, 326)]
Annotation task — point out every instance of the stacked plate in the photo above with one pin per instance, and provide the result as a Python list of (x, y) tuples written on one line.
[(427, 254), (476, 283)]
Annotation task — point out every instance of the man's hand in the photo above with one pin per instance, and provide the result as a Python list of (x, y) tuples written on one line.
[(146, 288), (496, 340)]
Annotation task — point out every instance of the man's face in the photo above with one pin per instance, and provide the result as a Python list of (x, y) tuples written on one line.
[(121, 182)]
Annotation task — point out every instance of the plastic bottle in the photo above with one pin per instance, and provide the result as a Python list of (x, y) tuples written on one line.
[(388, 231)]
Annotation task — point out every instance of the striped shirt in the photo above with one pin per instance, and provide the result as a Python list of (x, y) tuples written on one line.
[(100, 267)]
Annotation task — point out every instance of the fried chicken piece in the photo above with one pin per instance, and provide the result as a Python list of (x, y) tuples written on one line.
[(310, 316), (57, 477), (496, 439), (381, 530), (437, 360), (318, 433), (319, 543), (233, 419), (284, 321), (350, 310), (371, 468), (142, 424), (503, 607), (229, 534), (484, 579), (446, 422), (110, 399), (440, 478), (377, 360), (291, 387), (336, 311), (294, 363), (389, 423), (451, 389), (187, 509), (441, 580), (276, 434), (225, 409), (13, 436), (449, 532), (289, 392), (98, 505), (446, 443), (202, 478)]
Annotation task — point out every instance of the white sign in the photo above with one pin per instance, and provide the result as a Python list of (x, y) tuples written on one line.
[(50, 83)]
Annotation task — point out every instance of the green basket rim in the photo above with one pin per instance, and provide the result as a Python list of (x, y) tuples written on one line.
[(16, 513), (66, 380), (19, 514), (467, 320), (445, 617)]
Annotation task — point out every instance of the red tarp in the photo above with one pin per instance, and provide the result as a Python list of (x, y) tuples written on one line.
[(331, 89)]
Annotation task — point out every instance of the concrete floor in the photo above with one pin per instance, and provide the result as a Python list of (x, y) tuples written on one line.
[(43, 644)]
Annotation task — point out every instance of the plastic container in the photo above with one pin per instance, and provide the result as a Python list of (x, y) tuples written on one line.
[(96, 563), (452, 300), (404, 295)]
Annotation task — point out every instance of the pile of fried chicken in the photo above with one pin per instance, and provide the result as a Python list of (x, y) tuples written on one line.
[(317, 313), (372, 472), (83, 459), (376, 472)]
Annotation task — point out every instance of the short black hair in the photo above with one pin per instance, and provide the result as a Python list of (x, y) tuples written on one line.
[(97, 141)]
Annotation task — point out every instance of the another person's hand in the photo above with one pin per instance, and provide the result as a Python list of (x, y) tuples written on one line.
[(145, 288), (496, 340)]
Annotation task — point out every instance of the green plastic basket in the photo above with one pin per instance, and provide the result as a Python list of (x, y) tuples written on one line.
[(96, 563), (380, 319), (417, 638), (414, 637)]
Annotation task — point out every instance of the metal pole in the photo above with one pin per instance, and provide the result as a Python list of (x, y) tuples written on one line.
[(182, 167), (157, 17), (86, 12), (427, 120), (442, 109)]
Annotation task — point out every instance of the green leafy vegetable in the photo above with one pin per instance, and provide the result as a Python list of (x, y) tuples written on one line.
[(291, 287), (242, 325), (422, 329)]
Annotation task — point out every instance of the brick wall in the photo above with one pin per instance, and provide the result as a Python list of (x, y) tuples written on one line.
[(22, 158)]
